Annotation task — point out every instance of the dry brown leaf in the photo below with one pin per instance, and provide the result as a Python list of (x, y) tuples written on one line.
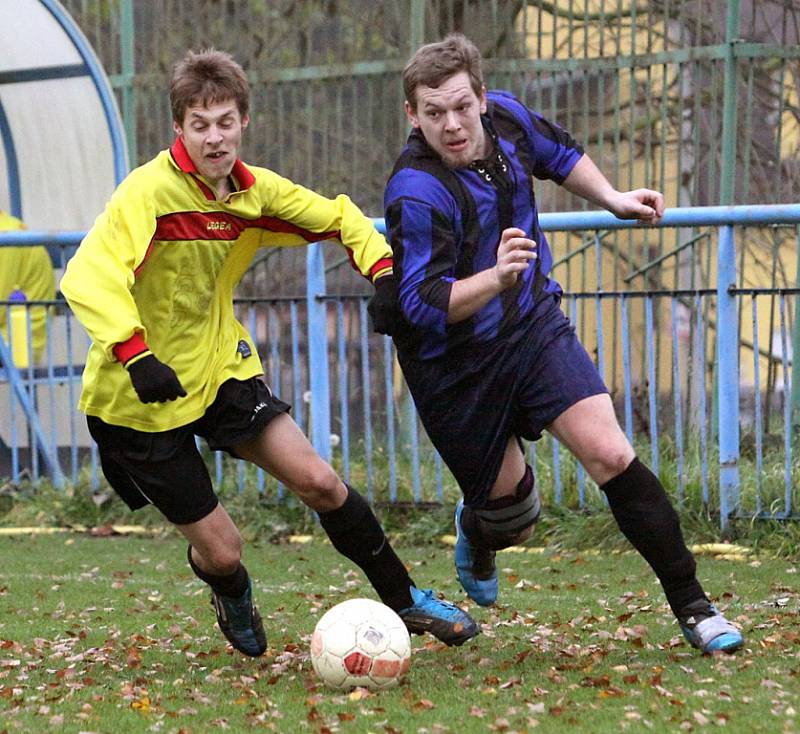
[(424, 704)]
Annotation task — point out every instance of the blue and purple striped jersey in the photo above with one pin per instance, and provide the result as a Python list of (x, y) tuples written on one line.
[(445, 225)]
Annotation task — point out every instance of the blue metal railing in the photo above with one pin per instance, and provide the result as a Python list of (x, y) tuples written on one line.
[(358, 411), (727, 328)]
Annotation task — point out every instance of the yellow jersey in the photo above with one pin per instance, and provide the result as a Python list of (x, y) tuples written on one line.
[(160, 265), (30, 270)]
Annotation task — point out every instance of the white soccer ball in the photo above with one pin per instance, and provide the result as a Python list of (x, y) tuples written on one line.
[(360, 642)]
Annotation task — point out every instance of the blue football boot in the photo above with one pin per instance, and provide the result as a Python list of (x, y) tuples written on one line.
[(706, 629), (443, 620), (240, 622), (475, 567)]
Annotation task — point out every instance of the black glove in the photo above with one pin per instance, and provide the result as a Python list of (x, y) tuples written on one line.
[(154, 381), (384, 306)]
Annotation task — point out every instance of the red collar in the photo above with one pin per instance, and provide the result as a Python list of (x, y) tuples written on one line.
[(240, 172)]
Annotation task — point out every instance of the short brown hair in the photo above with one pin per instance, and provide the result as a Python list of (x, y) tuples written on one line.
[(434, 63), (205, 77)]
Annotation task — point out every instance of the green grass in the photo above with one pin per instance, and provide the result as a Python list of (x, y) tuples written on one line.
[(563, 524), (115, 635)]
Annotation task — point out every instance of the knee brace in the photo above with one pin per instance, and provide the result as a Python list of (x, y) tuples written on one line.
[(499, 523)]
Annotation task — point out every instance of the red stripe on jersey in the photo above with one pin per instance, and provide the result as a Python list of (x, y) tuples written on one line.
[(190, 226), (144, 259), (187, 226), (207, 192), (352, 257), (273, 224)]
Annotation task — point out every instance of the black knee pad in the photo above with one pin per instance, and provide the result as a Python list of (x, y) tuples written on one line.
[(499, 523)]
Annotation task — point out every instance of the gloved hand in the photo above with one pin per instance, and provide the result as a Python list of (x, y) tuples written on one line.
[(384, 306), (154, 381)]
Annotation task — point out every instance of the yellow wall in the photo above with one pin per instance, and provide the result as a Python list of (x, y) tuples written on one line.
[(646, 90)]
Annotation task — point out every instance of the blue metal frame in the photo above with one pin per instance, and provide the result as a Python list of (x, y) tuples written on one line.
[(318, 351), (728, 298), (727, 357), (728, 375), (34, 237), (697, 216), (90, 67), (12, 165), (49, 453), (107, 99), (43, 73)]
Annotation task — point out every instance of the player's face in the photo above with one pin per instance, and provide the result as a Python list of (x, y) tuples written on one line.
[(213, 137), (449, 117)]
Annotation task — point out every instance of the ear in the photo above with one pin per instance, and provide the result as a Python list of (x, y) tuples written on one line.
[(178, 129), (411, 115), (482, 99), (245, 121)]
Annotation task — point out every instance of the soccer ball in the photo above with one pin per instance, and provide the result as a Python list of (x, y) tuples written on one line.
[(360, 642)]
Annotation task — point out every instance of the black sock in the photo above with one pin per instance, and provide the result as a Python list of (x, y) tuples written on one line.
[(356, 533), (647, 519), (232, 585)]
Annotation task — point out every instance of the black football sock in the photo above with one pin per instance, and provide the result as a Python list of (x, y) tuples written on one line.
[(647, 519), (233, 585), (356, 533)]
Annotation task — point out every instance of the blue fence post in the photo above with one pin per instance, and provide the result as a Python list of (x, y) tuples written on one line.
[(38, 437), (728, 375), (318, 352)]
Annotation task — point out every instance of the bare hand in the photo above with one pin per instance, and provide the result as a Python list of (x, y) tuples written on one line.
[(645, 205), (514, 254)]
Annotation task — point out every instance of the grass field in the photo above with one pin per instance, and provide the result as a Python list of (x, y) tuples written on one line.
[(115, 635)]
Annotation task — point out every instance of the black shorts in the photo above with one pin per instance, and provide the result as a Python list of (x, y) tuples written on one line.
[(165, 468), (473, 404)]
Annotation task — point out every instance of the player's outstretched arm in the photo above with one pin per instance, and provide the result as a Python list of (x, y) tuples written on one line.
[(587, 180)]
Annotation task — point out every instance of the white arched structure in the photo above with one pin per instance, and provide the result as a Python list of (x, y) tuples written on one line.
[(62, 145)]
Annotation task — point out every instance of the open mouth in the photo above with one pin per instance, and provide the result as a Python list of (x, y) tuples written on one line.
[(457, 145), (217, 155)]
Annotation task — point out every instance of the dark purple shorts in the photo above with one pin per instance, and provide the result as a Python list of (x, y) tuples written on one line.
[(471, 405)]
